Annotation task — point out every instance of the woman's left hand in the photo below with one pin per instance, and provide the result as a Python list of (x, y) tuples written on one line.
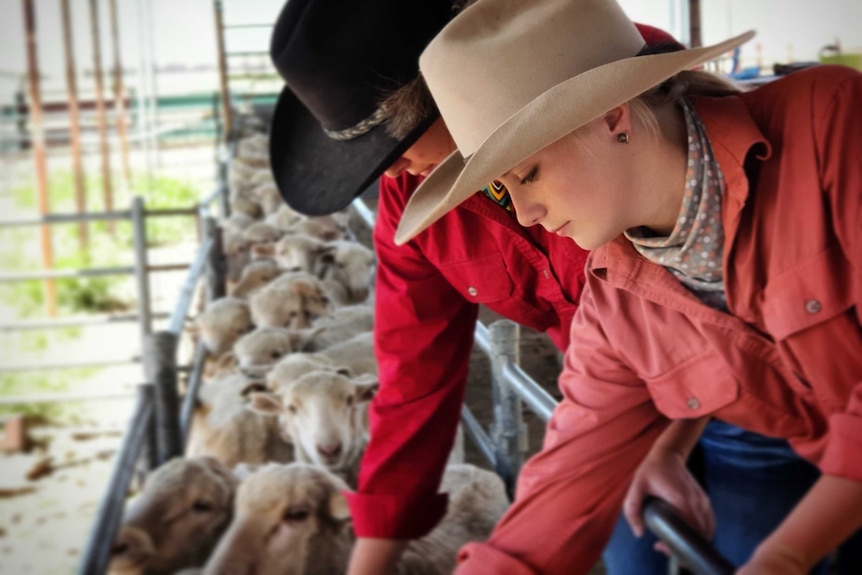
[(772, 563)]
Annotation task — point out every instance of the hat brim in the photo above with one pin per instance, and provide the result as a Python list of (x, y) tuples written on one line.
[(555, 113), (317, 175)]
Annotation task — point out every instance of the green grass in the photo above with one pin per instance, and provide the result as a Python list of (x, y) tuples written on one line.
[(107, 248)]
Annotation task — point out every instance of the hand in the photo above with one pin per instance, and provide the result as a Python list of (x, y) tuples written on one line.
[(772, 563), (663, 474), (375, 556)]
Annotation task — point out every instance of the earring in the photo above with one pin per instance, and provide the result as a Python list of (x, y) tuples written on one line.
[(623, 138)]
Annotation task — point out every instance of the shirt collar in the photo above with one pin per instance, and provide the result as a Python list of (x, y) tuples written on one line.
[(732, 134)]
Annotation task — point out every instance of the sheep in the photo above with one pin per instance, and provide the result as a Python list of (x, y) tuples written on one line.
[(293, 300), (223, 428), (324, 415), (295, 365), (294, 519), (325, 228), (261, 232), (222, 323), (245, 206), (252, 146), (177, 519), (254, 276), (284, 218), (298, 252), (268, 196), (350, 264), (342, 324), (256, 352)]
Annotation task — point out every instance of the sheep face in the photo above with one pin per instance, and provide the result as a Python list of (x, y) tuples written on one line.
[(290, 520), (183, 509), (292, 301), (298, 252), (222, 323), (254, 276), (324, 414), (348, 263), (259, 350)]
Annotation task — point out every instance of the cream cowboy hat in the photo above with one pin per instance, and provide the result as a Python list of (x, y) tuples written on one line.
[(513, 76)]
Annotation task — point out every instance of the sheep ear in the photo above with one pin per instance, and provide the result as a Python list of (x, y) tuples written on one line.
[(265, 403), (252, 387), (327, 255), (226, 361), (345, 371), (338, 508), (263, 251), (366, 387)]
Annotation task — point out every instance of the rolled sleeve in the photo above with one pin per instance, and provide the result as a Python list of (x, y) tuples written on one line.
[(569, 495), (423, 336)]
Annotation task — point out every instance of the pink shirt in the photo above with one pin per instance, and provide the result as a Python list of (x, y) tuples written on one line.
[(786, 362)]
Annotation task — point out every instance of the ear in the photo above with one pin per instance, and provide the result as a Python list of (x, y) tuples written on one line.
[(252, 387), (226, 361), (327, 256), (338, 508), (345, 371), (366, 387), (618, 119), (262, 251), (301, 338), (265, 403)]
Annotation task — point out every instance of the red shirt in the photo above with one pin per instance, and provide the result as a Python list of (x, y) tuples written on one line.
[(786, 362), (427, 297)]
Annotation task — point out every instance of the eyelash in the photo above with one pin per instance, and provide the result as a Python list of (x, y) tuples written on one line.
[(531, 175)]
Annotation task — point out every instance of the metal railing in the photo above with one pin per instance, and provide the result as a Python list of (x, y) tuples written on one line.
[(164, 431), (505, 444)]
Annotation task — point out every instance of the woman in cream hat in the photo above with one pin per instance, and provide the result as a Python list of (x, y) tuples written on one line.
[(724, 279)]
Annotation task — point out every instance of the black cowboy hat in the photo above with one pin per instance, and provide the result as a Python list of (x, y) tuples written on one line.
[(339, 58)]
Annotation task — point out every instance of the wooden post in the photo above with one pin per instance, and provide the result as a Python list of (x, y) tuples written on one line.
[(694, 23), (74, 126), (120, 95), (227, 117), (38, 143), (107, 188)]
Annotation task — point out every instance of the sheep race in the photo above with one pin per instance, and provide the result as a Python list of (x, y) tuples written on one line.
[(280, 422)]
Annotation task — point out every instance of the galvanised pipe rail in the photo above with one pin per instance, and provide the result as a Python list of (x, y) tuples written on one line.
[(98, 552), (178, 317), (95, 217), (89, 272), (698, 556)]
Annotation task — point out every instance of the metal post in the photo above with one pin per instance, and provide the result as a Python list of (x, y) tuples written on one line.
[(107, 189), (216, 264), (508, 432), (38, 142), (74, 126), (142, 276), (160, 368), (120, 95), (694, 23), (227, 117), (149, 457)]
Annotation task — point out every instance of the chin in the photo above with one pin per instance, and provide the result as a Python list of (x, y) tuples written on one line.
[(590, 242)]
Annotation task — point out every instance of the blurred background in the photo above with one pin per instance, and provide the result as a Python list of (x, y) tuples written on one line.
[(103, 101)]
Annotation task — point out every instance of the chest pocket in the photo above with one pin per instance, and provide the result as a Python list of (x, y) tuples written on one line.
[(481, 280), (810, 293), (699, 386)]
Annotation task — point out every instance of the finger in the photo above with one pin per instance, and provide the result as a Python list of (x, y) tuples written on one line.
[(661, 548), (633, 508)]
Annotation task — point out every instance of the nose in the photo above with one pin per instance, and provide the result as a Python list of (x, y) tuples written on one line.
[(398, 167), (529, 213), (132, 546), (329, 449)]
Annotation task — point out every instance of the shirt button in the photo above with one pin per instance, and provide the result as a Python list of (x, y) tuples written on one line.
[(693, 403), (812, 306), (472, 291), (547, 274)]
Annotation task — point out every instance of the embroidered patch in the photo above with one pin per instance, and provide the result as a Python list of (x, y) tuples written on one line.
[(498, 192)]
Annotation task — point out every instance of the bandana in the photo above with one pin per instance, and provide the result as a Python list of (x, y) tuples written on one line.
[(694, 249)]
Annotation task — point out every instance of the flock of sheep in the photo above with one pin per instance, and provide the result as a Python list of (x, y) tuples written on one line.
[(281, 423)]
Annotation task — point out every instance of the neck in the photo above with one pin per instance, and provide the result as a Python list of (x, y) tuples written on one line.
[(664, 172)]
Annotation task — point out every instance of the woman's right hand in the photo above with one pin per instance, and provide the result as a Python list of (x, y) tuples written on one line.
[(663, 473), (375, 556)]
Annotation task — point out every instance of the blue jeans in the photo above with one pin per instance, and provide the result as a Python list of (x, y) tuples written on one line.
[(753, 482)]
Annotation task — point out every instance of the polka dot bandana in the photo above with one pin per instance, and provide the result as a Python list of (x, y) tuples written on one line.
[(694, 249)]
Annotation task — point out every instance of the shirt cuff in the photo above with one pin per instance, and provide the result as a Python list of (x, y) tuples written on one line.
[(481, 559), (841, 457), (379, 516)]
